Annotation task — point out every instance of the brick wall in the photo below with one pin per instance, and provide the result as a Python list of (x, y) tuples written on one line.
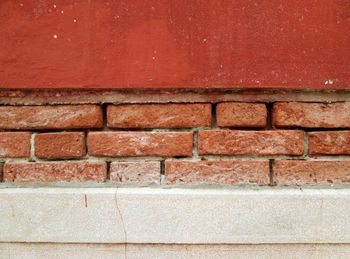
[(168, 139)]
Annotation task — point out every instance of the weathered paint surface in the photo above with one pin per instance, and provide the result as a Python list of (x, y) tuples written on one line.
[(174, 43)]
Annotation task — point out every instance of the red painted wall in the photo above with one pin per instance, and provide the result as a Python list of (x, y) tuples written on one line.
[(174, 43)]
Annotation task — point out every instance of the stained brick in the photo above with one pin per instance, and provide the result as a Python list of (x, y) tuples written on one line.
[(311, 115), (15, 144), (54, 172), (217, 172), (241, 115), (135, 172), (236, 142), (329, 143), (158, 115), (299, 172), (118, 144), (50, 117), (60, 145)]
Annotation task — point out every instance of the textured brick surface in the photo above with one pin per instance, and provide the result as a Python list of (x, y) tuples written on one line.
[(329, 143), (241, 115), (311, 115), (217, 172), (59, 145), (298, 172), (54, 172), (116, 144), (59, 134), (135, 172), (14, 144), (50, 117), (158, 115), (235, 142)]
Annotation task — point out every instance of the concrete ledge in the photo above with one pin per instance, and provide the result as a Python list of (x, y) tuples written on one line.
[(174, 216), (145, 251)]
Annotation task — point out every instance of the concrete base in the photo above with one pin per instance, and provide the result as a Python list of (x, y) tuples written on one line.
[(145, 251), (240, 223)]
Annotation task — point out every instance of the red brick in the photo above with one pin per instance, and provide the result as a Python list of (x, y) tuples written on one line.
[(50, 117), (158, 115), (217, 172), (299, 172), (14, 144), (60, 145), (236, 142), (311, 115), (122, 143), (241, 115), (329, 143), (54, 172), (135, 172)]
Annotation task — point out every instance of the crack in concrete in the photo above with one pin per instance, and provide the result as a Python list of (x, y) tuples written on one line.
[(123, 223)]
